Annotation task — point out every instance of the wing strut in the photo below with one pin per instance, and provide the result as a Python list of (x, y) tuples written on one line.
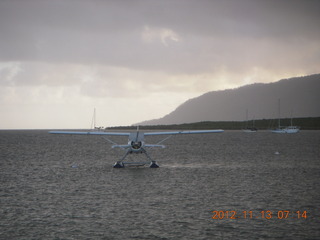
[(110, 141), (164, 139)]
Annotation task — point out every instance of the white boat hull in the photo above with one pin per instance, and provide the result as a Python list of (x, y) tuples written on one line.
[(249, 130), (291, 129), (278, 131)]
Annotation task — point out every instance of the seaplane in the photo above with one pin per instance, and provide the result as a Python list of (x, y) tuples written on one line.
[(136, 143)]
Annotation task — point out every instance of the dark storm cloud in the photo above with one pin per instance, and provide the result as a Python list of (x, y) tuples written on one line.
[(205, 35)]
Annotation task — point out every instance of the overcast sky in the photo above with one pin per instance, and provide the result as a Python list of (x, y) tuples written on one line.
[(136, 60)]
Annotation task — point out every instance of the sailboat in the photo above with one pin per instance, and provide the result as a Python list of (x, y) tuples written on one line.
[(289, 129), (94, 122), (248, 129)]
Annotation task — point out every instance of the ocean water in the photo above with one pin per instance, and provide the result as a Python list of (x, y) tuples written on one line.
[(232, 185)]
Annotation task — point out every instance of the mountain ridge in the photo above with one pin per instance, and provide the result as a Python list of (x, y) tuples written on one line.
[(299, 98)]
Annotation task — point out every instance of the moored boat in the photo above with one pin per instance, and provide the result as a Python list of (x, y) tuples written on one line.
[(289, 129)]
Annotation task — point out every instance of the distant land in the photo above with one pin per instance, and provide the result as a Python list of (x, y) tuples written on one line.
[(312, 123), (299, 97)]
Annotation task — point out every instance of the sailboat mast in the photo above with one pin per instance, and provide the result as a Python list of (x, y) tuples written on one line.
[(279, 112), (93, 122), (94, 119), (246, 118)]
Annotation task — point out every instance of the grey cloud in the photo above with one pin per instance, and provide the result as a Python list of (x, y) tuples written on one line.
[(36, 73), (212, 34)]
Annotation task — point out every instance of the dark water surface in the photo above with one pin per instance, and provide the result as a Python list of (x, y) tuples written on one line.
[(64, 187)]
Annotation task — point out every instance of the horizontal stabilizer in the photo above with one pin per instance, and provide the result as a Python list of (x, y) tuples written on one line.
[(121, 146), (90, 133), (155, 145)]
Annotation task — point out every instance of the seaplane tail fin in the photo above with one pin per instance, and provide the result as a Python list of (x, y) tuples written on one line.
[(155, 145)]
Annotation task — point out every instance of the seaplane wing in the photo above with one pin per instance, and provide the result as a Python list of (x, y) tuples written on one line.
[(136, 143), (128, 134), (91, 133), (183, 132)]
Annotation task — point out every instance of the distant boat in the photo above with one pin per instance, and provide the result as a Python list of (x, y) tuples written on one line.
[(279, 130), (292, 129), (289, 129), (248, 129), (93, 123)]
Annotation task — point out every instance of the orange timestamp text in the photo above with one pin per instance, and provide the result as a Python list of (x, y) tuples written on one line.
[(266, 214)]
